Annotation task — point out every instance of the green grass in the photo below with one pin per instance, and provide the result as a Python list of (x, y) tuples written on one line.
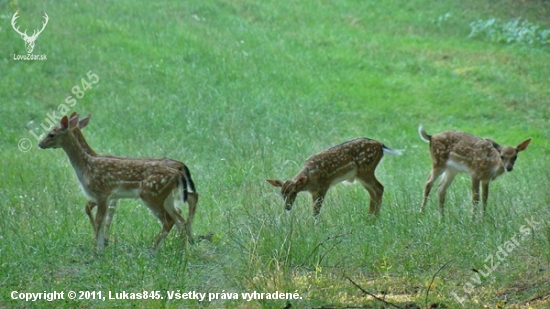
[(246, 90)]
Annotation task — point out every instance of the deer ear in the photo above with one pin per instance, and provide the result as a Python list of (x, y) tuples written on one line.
[(82, 123), (72, 115), (73, 121), (64, 122), (275, 183), (523, 145), (495, 145)]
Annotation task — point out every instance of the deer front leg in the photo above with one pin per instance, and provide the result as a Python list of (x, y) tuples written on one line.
[(475, 195), (99, 220), (475, 190), (108, 219), (485, 194), (317, 197)]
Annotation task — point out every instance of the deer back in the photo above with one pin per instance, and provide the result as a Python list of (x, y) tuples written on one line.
[(467, 153), (342, 162)]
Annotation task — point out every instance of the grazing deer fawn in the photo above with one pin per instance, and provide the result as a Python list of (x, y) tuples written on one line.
[(104, 179), (191, 198), (456, 152), (351, 160)]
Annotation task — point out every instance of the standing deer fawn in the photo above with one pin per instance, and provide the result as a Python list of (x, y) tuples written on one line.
[(104, 179), (354, 159), (456, 152), (191, 198)]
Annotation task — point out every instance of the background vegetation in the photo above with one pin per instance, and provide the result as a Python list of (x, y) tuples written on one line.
[(244, 90)]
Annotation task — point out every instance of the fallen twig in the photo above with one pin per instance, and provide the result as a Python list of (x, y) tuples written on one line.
[(322, 243), (431, 282), (372, 295)]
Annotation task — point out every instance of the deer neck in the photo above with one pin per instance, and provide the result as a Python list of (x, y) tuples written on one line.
[(83, 143), (499, 170), (305, 172), (79, 159)]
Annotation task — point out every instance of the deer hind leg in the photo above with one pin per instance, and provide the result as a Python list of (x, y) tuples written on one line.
[(89, 207), (442, 188), (156, 203), (432, 177), (376, 191), (167, 224), (180, 222), (158, 191), (109, 219), (192, 200)]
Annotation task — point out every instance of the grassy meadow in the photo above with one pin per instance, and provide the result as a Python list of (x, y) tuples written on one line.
[(242, 91)]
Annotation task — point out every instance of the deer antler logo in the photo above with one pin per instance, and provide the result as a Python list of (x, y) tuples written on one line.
[(29, 40)]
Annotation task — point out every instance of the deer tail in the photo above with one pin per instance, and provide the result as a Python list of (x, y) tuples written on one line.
[(187, 183), (190, 182), (390, 151), (423, 135)]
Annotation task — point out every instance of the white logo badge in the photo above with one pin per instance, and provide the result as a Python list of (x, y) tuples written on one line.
[(29, 40)]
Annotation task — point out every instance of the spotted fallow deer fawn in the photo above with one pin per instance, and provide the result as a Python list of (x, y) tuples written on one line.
[(191, 197), (456, 152), (352, 160), (103, 179)]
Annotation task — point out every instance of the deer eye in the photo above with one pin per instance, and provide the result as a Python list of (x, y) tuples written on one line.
[(51, 135)]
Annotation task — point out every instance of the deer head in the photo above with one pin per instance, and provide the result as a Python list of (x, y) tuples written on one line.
[(52, 140), (509, 154), (289, 189), (29, 40)]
